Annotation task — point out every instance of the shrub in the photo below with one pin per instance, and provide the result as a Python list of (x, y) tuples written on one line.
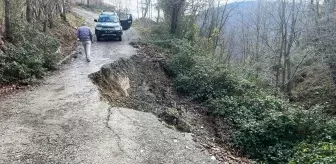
[(200, 81), (267, 128), (23, 64), (246, 106), (48, 46), (318, 153), (34, 53)]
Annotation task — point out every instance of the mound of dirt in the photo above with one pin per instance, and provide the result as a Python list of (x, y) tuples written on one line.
[(141, 83)]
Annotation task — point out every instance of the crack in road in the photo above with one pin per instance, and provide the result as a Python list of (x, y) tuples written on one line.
[(133, 121), (108, 119)]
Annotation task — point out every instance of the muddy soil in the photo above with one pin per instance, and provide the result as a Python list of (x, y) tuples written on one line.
[(142, 83)]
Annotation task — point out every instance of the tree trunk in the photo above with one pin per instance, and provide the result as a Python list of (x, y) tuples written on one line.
[(158, 16), (176, 8), (50, 20), (28, 11), (45, 25), (8, 32), (257, 55), (205, 19), (174, 19), (63, 11), (279, 65), (283, 84), (147, 7), (138, 9), (326, 9), (283, 37), (317, 9), (88, 2), (289, 46), (333, 69)]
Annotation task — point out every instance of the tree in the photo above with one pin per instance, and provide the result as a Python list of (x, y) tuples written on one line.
[(63, 11), (172, 11), (28, 11), (176, 7), (8, 32), (145, 9)]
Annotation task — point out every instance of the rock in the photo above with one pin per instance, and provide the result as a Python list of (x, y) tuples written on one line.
[(170, 115), (213, 158), (4, 47), (58, 51), (172, 112), (183, 125)]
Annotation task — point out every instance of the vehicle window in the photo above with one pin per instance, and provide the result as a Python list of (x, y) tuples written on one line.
[(108, 18)]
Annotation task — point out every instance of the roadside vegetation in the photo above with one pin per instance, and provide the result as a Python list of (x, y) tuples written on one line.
[(34, 36), (270, 77)]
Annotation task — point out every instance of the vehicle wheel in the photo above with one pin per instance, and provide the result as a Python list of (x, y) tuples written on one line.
[(120, 38), (98, 38)]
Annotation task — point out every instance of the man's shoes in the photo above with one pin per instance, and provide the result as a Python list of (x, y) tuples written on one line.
[(88, 60)]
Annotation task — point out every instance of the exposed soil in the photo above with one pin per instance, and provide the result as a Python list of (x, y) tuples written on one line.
[(142, 83), (7, 89)]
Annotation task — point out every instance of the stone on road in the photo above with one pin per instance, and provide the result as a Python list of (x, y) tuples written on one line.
[(64, 120)]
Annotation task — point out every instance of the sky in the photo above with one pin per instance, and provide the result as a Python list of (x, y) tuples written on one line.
[(132, 5)]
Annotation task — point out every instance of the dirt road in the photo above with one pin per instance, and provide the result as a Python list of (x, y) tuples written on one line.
[(64, 121)]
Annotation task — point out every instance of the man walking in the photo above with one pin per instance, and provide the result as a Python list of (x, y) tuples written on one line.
[(84, 34)]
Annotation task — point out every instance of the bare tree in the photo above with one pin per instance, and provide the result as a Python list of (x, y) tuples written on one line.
[(63, 10), (8, 32), (172, 11), (146, 6), (28, 11), (176, 9)]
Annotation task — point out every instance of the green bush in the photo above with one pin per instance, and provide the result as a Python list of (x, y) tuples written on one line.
[(195, 77), (32, 55), (48, 45), (248, 106), (267, 128), (20, 64), (320, 153)]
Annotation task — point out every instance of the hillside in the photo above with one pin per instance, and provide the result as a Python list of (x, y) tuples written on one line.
[(266, 71), (31, 50)]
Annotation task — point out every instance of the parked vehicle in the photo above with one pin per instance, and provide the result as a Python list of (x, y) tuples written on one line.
[(110, 25)]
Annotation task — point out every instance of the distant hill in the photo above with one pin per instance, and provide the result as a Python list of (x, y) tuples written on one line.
[(239, 11)]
